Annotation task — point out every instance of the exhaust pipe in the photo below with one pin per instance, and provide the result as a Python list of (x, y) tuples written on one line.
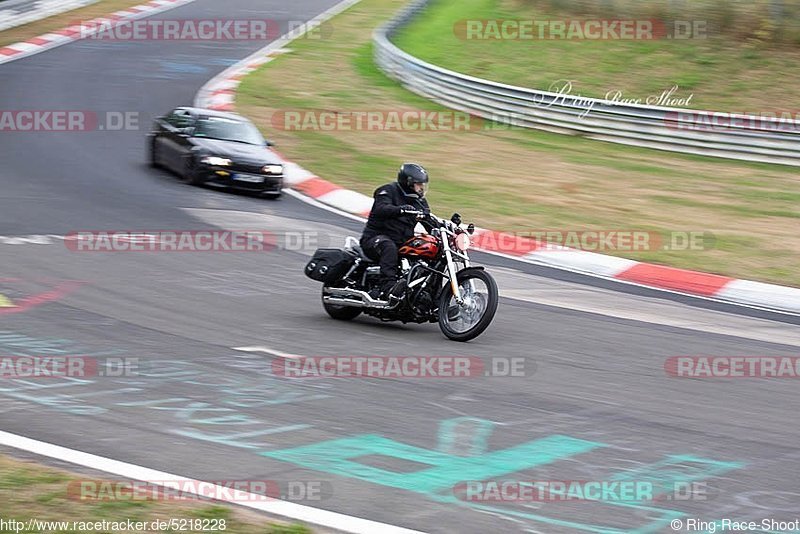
[(353, 297), (342, 302)]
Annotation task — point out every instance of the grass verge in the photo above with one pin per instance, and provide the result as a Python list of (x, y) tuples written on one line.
[(721, 71), (522, 180), (32, 491)]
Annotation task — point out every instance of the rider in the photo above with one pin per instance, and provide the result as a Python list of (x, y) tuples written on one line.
[(392, 220)]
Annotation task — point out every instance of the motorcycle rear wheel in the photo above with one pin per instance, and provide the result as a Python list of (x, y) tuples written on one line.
[(341, 313)]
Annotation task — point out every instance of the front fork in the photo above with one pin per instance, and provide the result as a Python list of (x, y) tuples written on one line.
[(451, 269)]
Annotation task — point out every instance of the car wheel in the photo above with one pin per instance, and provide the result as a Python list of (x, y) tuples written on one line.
[(189, 174), (154, 155)]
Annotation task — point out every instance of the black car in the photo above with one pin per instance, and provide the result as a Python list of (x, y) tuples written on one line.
[(204, 146)]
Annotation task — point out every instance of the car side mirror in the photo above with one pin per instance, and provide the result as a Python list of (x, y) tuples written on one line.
[(267, 142)]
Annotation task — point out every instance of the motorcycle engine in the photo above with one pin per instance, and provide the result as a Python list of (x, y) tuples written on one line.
[(373, 275), (423, 304)]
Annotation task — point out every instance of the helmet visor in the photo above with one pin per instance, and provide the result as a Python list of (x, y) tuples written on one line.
[(420, 189)]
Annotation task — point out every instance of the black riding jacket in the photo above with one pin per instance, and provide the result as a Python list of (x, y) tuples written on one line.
[(385, 218)]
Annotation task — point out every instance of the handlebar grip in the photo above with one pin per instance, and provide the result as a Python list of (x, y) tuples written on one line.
[(416, 213)]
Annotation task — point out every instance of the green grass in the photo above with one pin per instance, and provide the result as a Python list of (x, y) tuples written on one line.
[(32, 491), (723, 71), (523, 180)]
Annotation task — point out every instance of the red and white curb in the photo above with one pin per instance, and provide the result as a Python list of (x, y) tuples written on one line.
[(219, 93), (11, 18), (84, 29), (315, 516)]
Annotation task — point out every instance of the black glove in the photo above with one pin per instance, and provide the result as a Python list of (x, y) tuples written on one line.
[(408, 208)]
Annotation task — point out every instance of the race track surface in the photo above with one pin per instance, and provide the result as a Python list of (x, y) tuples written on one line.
[(595, 402)]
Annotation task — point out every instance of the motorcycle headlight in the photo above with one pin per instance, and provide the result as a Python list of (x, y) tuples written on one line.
[(216, 161), (273, 169), (462, 242)]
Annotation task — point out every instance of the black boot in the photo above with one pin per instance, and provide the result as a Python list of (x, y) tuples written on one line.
[(385, 289), (398, 289)]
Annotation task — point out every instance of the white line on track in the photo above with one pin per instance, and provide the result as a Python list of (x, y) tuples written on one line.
[(336, 521), (315, 516), (154, 7), (268, 350), (533, 261)]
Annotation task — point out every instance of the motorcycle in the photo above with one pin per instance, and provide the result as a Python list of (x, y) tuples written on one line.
[(438, 283)]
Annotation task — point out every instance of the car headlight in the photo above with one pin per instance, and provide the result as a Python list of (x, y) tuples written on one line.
[(273, 169), (216, 161)]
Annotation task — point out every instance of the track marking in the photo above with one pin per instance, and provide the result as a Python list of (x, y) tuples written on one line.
[(56, 293), (341, 522), (521, 286), (72, 34), (268, 350)]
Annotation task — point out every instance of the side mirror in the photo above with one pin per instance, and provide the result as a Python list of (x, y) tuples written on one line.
[(267, 142), (456, 219)]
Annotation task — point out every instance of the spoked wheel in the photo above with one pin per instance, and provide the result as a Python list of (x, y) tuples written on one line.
[(468, 320), (341, 313)]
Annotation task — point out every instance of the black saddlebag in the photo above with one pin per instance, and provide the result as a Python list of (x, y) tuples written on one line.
[(330, 264)]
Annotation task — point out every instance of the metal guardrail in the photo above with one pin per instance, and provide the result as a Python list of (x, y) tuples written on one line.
[(678, 130)]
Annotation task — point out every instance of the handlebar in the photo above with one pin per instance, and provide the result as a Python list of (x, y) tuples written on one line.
[(435, 221)]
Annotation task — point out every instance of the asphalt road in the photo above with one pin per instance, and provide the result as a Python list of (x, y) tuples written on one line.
[(595, 402)]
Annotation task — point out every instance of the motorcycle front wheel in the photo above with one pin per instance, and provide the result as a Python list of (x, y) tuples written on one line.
[(462, 322)]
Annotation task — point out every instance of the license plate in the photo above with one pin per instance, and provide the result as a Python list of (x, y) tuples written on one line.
[(248, 178)]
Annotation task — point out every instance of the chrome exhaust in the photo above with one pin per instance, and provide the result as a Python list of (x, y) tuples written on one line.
[(342, 302), (353, 297)]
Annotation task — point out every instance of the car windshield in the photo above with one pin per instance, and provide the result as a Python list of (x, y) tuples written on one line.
[(228, 130)]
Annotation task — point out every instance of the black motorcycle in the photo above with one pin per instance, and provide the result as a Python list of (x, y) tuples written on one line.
[(438, 282)]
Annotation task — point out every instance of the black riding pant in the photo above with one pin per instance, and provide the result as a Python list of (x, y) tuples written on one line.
[(383, 250)]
